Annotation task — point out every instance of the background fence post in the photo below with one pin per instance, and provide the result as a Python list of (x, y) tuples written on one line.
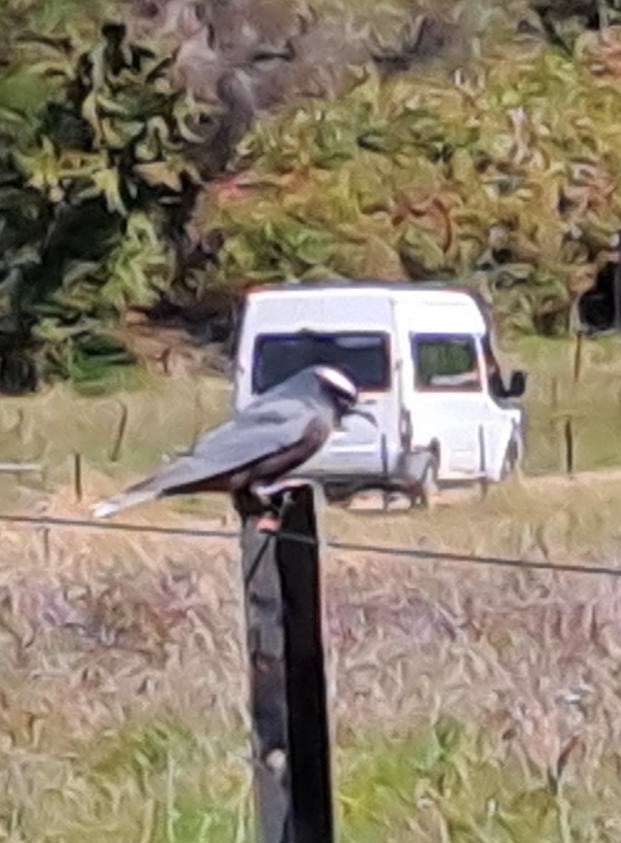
[(77, 476), (554, 421), (568, 434), (578, 356), (288, 699), (616, 288)]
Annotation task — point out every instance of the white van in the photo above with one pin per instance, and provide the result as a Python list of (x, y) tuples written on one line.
[(422, 357)]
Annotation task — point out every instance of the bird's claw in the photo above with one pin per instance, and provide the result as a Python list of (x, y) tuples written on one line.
[(271, 521), (265, 492), (268, 523)]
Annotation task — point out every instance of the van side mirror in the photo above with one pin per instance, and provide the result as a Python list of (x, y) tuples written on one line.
[(517, 384)]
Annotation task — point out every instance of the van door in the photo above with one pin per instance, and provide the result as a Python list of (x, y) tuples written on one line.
[(448, 401)]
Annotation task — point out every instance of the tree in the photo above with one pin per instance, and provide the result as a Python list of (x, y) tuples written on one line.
[(90, 205)]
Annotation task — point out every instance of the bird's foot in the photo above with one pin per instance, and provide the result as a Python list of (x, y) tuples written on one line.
[(265, 493), (268, 523), (271, 521)]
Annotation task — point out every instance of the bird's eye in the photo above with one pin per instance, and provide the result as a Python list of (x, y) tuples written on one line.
[(347, 399)]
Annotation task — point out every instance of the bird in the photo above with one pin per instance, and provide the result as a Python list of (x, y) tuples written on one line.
[(253, 453)]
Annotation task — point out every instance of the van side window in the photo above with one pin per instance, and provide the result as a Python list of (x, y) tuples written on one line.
[(445, 363)]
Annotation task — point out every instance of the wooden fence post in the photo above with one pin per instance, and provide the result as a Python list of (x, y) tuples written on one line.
[(77, 476), (616, 289), (568, 431), (578, 357), (554, 422), (115, 451), (290, 726)]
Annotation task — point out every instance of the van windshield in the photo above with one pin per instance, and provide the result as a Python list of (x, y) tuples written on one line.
[(364, 356)]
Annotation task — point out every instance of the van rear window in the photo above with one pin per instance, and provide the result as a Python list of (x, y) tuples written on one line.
[(365, 356)]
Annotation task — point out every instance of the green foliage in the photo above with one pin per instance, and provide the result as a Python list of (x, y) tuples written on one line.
[(138, 269), (438, 781), (155, 780), (29, 28), (566, 20), (503, 175), (446, 781), (505, 179), (87, 203)]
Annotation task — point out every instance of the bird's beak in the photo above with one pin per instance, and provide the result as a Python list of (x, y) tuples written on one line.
[(368, 416)]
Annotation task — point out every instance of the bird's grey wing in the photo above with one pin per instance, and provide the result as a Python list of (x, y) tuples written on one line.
[(266, 427), (245, 439)]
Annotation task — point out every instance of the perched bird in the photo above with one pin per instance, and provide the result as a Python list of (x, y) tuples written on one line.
[(252, 453)]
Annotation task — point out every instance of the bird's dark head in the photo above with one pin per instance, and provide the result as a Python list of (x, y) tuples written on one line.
[(343, 391), (339, 386)]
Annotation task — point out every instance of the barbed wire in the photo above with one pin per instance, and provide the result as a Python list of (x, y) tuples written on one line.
[(352, 547)]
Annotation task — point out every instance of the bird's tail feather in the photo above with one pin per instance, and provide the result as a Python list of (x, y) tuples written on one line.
[(110, 506)]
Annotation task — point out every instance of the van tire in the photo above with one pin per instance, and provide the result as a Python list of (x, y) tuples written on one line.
[(339, 494)]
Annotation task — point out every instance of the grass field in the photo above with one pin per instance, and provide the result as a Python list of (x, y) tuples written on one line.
[(593, 402), (471, 704)]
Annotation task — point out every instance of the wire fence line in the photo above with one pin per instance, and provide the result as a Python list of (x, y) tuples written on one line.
[(352, 547)]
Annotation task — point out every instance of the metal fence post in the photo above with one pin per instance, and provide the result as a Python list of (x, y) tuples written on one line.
[(288, 700)]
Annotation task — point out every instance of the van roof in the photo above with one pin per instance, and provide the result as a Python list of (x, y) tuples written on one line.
[(345, 283), (446, 307)]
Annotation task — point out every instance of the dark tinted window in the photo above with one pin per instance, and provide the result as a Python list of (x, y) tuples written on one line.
[(364, 356), (445, 362)]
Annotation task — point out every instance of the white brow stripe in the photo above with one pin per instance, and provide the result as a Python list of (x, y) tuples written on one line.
[(337, 379)]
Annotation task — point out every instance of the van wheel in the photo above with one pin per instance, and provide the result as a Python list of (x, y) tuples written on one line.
[(338, 494)]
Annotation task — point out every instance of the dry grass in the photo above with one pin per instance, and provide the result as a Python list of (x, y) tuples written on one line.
[(593, 402), (122, 710), (122, 687), (119, 437)]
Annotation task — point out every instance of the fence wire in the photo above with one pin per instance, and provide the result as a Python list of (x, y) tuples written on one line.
[(352, 547)]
